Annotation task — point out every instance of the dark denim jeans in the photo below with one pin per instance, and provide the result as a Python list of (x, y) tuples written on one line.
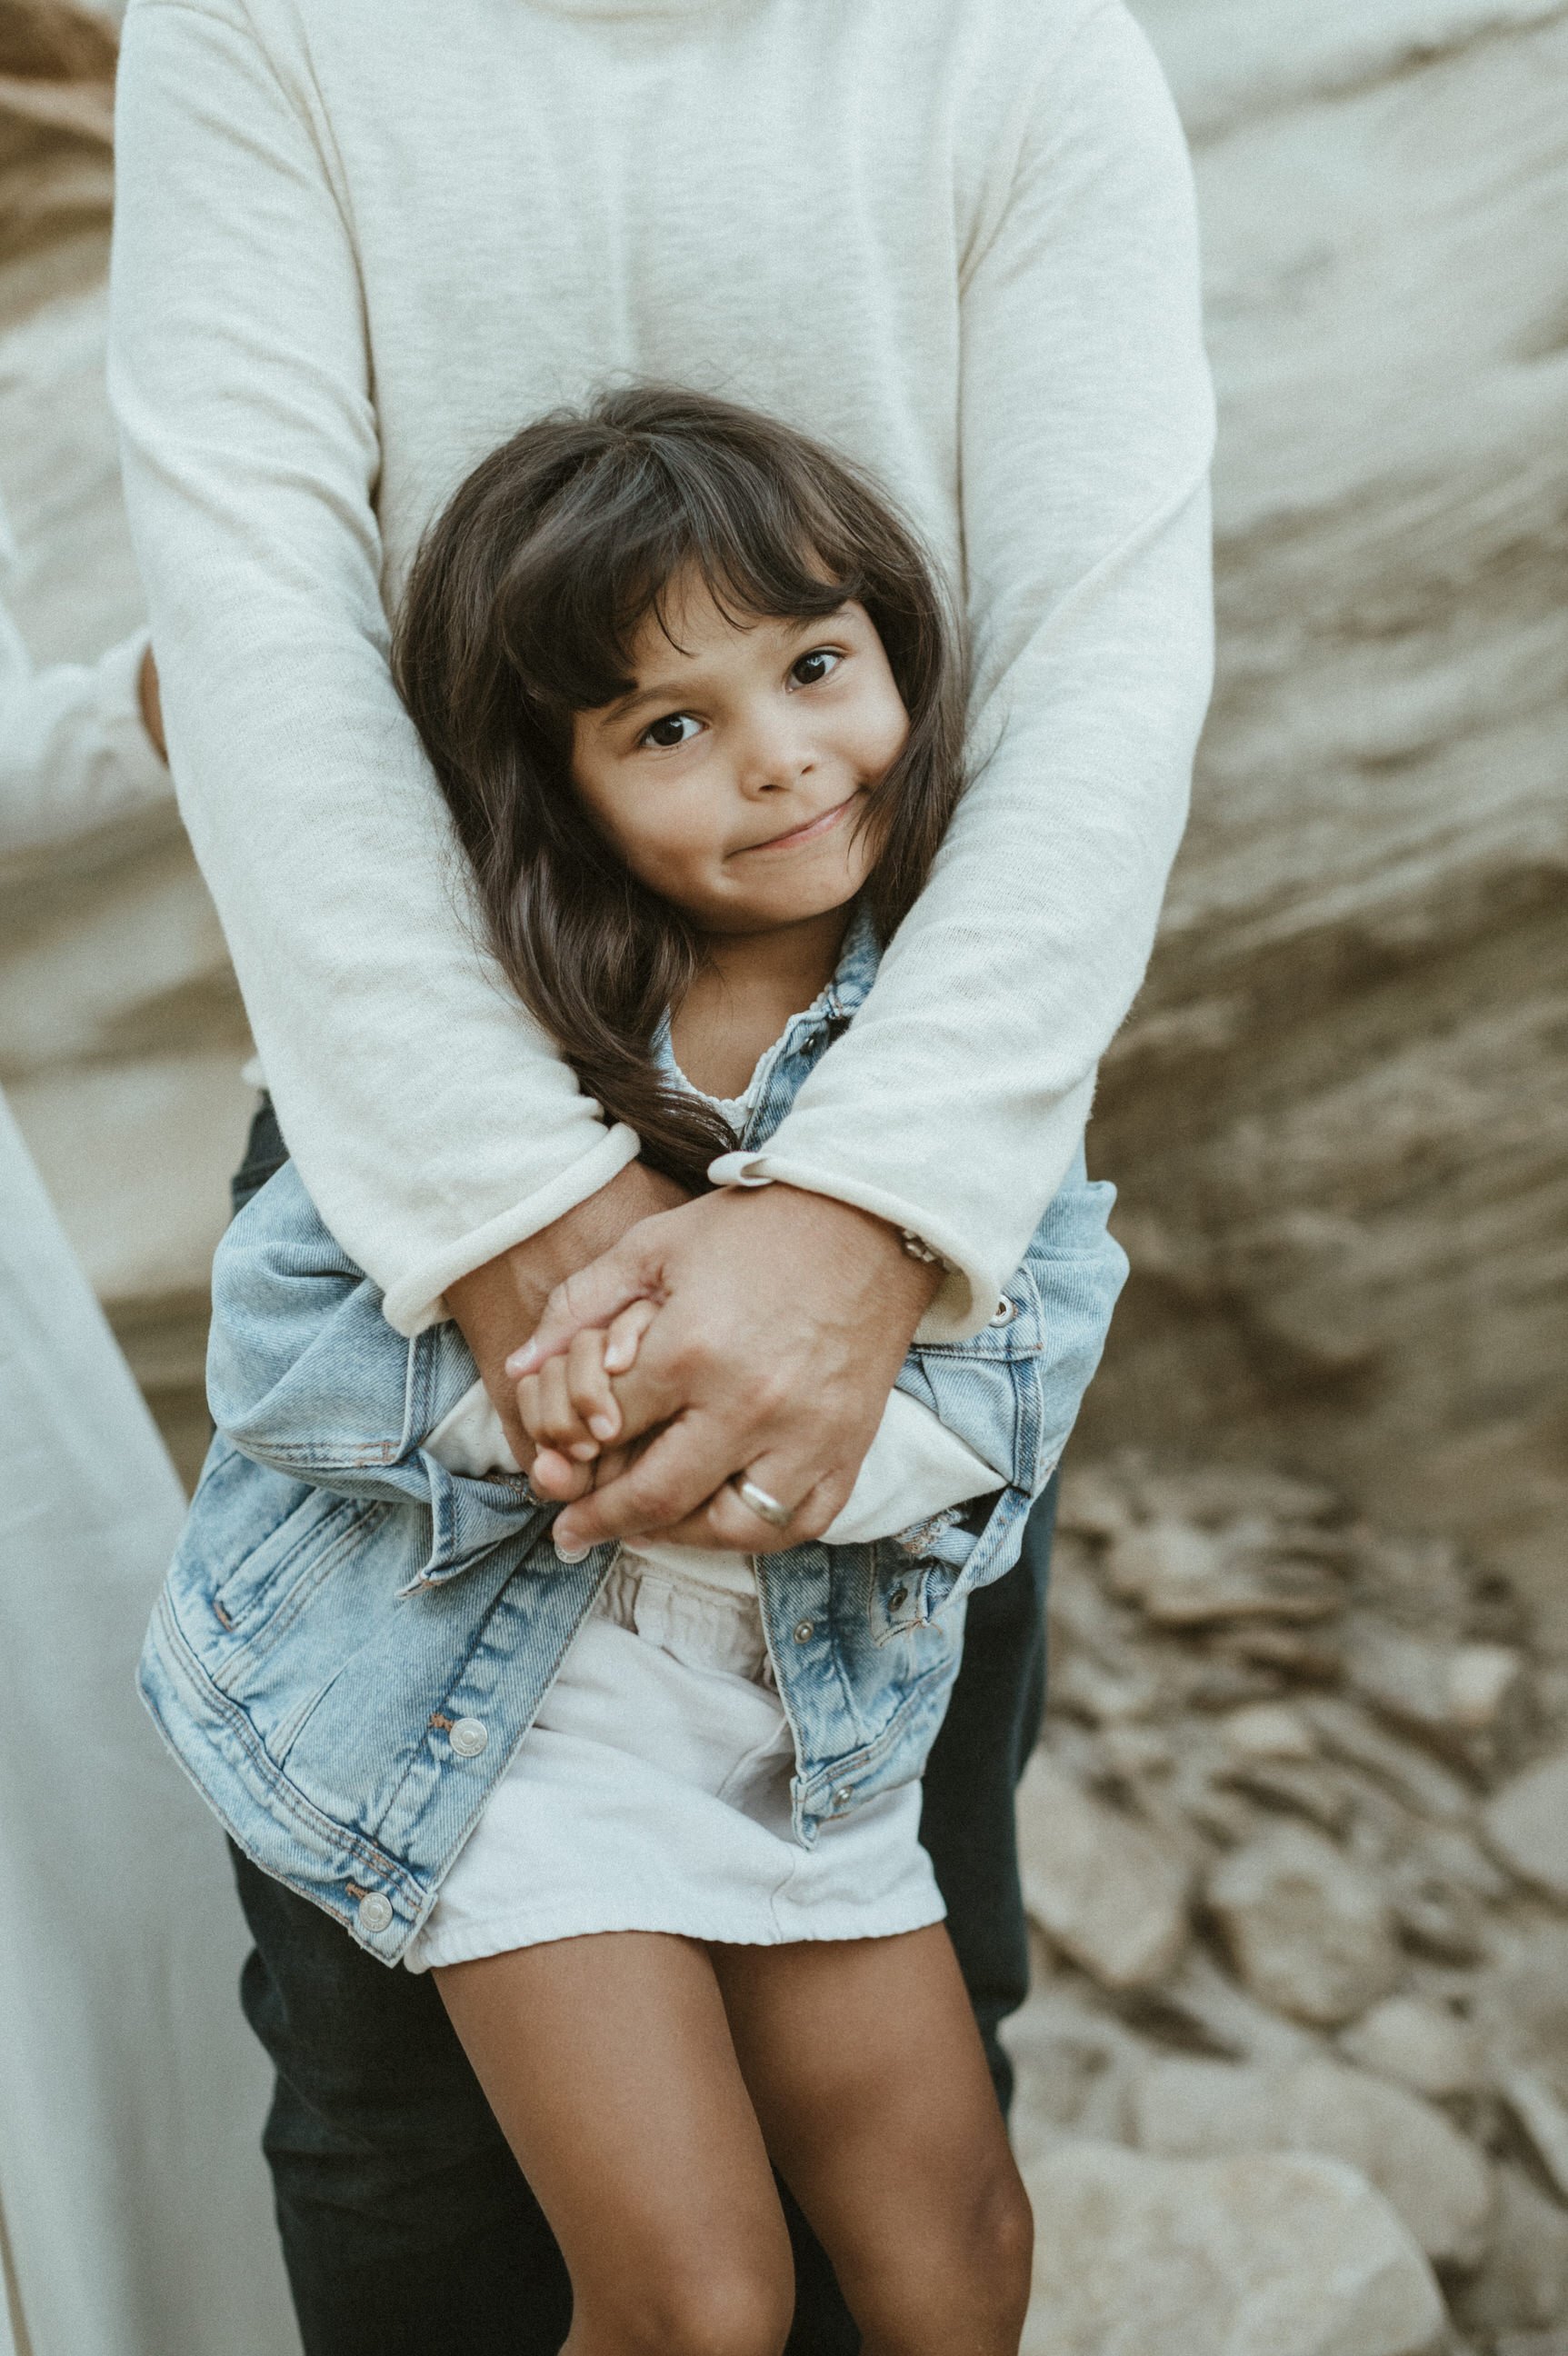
[(406, 2222)]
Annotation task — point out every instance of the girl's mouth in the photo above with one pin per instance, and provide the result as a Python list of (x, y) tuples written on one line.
[(811, 833)]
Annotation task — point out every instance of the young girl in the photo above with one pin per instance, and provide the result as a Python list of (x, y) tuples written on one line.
[(651, 1815)]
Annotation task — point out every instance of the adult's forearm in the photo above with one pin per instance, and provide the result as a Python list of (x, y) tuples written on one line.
[(955, 1101), (432, 1125)]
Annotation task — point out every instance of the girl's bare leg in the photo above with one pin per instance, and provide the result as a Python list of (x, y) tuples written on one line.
[(609, 2063), (866, 2069)]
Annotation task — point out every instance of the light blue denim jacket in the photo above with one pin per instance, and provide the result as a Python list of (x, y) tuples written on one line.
[(352, 1641)]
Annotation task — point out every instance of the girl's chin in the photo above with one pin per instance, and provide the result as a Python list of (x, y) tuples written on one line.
[(777, 914), (803, 902)]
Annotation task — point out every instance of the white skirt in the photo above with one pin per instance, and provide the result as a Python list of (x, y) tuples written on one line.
[(652, 1794)]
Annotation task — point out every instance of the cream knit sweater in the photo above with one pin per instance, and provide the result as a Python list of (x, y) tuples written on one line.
[(359, 242)]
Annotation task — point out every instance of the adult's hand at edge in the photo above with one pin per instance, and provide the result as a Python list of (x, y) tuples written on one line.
[(499, 1305), (151, 702), (785, 1318)]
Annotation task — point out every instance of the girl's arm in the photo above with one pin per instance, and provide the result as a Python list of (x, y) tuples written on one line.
[(241, 378), (953, 1105)]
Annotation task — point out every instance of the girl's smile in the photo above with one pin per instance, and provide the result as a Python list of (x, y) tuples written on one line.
[(808, 832)]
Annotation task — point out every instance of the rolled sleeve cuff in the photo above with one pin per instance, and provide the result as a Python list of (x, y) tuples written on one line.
[(972, 1286), (418, 1299)]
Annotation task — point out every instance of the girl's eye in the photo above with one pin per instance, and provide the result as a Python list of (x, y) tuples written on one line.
[(815, 667), (675, 728)]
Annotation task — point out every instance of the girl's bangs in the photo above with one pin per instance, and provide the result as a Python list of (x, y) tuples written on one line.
[(580, 597)]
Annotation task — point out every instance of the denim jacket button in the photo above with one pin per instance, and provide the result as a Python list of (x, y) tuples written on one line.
[(1003, 1313), (374, 1912), (896, 1600), (469, 1736), (843, 1796), (804, 1631)]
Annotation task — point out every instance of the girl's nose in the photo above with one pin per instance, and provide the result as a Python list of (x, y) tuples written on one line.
[(774, 755)]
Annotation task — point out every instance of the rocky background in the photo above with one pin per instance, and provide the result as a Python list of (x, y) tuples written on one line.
[(1338, 1115), (1295, 2079)]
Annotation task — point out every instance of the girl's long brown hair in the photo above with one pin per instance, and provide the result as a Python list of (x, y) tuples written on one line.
[(521, 607)]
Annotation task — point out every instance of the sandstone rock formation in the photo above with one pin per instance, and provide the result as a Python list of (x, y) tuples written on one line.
[(1338, 1115), (57, 84)]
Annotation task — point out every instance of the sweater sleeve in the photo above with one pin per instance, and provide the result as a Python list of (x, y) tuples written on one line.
[(434, 1125), (914, 1468), (954, 1103), (74, 750)]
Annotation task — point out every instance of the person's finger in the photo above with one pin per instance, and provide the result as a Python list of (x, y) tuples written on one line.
[(567, 1432), (588, 1387), (648, 1396), (546, 1408), (592, 1358), (611, 1463), (548, 1393), (623, 1337), (593, 1296), (556, 1479), (669, 1479), (726, 1520), (529, 1394)]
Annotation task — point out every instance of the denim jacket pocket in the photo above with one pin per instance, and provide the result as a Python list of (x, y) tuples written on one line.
[(303, 1546)]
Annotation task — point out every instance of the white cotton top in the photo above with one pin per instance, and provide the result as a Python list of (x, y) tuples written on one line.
[(74, 749), (358, 242)]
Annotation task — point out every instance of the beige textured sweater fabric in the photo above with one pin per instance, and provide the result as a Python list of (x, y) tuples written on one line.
[(359, 242)]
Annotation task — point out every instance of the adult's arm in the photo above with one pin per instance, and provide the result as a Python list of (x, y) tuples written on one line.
[(75, 750), (240, 378), (955, 1102)]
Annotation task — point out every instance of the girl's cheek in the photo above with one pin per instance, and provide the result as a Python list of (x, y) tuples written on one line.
[(884, 738), (672, 864)]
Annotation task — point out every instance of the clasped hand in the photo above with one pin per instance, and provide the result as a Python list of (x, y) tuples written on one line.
[(754, 1332)]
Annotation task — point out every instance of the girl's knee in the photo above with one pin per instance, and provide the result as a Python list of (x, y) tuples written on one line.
[(964, 2279), (993, 2248), (735, 2307), (1004, 2232)]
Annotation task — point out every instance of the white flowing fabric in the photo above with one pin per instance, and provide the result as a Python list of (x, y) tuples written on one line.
[(134, 2217)]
